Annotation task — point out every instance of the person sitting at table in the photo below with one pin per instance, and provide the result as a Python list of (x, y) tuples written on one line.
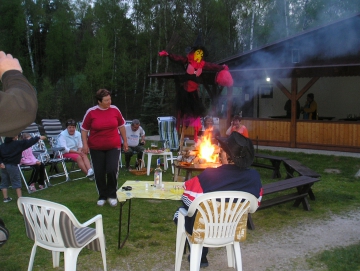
[(236, 126), (209, 131), (230, 177), (287, 108), (70, 140), (136, 140)]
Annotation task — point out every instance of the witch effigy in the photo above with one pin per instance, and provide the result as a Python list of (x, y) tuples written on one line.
[(188, 103)]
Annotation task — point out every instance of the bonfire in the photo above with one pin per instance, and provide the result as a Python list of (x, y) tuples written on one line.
[(201, 153)]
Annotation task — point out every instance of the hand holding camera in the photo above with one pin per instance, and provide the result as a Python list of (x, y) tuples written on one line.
[(7, 63)]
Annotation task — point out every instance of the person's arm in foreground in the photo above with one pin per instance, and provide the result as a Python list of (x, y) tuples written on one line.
[(123, 135), (84, 138), (18, 103)]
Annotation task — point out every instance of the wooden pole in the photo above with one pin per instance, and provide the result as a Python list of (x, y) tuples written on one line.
[(182, 135)]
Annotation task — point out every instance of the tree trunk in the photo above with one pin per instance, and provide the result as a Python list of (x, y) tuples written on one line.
[(252, 25)]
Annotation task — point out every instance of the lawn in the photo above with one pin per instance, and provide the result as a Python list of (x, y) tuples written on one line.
[(151, 245)]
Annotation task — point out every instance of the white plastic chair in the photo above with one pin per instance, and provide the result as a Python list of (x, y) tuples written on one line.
[(54, 227), (220, 220)]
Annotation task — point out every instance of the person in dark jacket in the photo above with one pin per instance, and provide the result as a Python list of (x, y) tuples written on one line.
[(10, 156), (18, 102), (229, 177)]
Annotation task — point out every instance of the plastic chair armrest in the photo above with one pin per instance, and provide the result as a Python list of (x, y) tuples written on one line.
[(92, 220)]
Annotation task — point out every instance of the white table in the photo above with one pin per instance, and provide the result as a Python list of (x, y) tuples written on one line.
[(150, 154)]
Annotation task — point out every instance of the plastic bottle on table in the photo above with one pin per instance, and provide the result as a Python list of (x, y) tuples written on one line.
[(158, 175)]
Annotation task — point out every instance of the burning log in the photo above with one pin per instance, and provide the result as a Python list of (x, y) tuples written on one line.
[(203, 152)]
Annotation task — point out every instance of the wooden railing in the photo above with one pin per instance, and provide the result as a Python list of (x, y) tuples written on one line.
[(322, 135)]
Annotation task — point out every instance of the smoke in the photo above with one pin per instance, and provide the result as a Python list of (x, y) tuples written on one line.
[(335, 43)]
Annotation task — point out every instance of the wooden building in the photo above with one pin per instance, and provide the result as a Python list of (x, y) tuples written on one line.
[(312, 61), (327, 53)]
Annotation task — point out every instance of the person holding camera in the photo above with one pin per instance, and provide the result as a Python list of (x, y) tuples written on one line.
[(136, 140), (236, 126), (18, 102)]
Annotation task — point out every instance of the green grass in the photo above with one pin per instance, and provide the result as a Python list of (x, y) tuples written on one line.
[(343, 258), (152, 231)]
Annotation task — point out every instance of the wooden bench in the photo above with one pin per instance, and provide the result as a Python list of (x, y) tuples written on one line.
[(301, 184), (274, 160), (293, 166)]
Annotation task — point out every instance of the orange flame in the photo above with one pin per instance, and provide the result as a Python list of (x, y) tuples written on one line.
[(206, 150)]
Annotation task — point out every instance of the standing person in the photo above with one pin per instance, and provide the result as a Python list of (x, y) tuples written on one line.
[(38, 167), (100, 135), (136, 139), (18, 103), (236, 126), (229, 177), (10, 156), (310, 108), (287, 108), (70, 140)]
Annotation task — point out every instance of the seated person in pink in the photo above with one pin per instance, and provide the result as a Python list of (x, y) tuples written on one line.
[(29, 159), (236, 126), (70, 139)]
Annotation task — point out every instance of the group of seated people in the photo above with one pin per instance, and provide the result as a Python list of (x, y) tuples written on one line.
[(70, 141)]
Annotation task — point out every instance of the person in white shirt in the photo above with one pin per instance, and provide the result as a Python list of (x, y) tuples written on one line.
[(70, 140), (135, 135)]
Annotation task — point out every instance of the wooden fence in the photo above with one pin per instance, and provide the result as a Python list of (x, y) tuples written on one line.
[(322, 135)]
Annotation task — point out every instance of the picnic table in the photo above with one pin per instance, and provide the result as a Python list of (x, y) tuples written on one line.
[(274, 160), (301, 185), (293, 166)]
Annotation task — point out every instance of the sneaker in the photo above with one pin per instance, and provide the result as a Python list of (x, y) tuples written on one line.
[(41, 186), (90, 173), (32, 187), (7, 200), (203, 263), (112, 202), (101, 202)]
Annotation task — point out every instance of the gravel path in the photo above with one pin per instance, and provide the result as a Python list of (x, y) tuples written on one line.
[(288, 248)]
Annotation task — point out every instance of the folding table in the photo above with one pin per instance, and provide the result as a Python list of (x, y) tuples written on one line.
[(171, 191)]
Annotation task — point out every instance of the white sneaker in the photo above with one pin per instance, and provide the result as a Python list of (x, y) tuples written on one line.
[(32, 187), (101, 202), (112, 202), (90, 173)]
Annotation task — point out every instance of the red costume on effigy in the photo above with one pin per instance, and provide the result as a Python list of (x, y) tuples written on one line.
[(188, 102)]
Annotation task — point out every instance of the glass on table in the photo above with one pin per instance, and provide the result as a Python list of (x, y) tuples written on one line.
[(154, 145)]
